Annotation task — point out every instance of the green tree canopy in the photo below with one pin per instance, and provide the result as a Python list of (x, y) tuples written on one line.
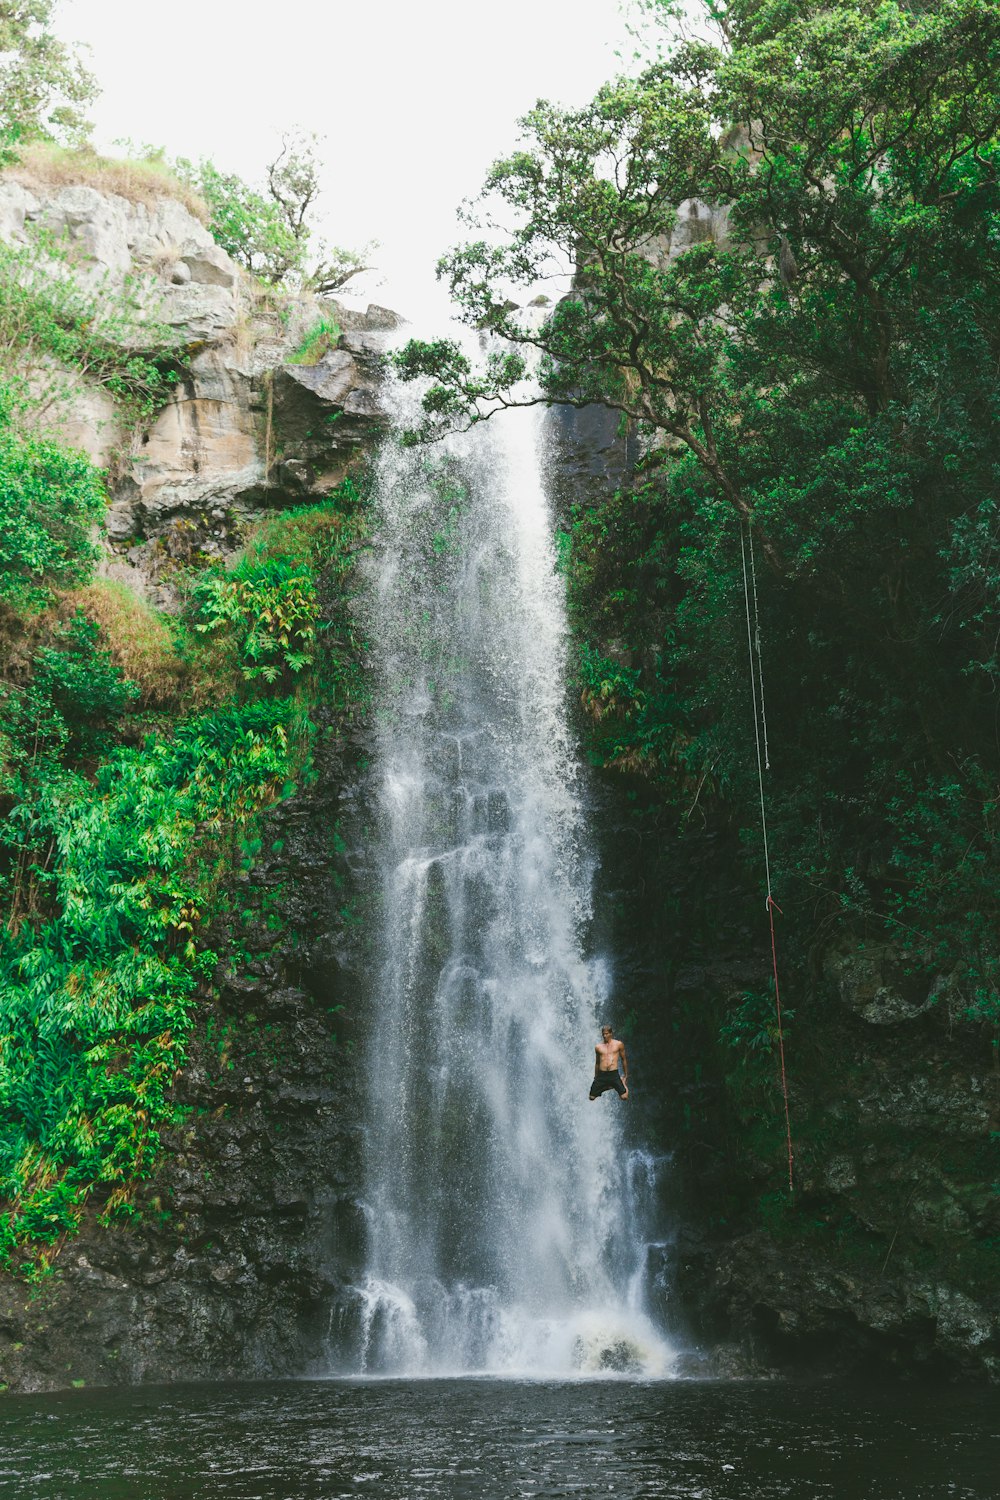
[(44, 87), (854, 147)]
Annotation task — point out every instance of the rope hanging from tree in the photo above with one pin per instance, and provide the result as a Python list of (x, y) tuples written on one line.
[(763, 764)]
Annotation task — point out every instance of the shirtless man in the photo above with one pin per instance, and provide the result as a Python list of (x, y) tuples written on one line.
[(606, 1074)]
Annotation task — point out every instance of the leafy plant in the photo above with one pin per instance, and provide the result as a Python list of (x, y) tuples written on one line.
[(50, 501), (96, 998), (272, 604)]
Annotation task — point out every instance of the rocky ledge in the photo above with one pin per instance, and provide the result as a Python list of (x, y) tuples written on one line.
[(246, 429)]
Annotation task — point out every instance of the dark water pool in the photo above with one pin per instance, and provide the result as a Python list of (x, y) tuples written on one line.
[(418, 1440)]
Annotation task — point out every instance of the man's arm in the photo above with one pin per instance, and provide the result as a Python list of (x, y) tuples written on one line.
[(597, 1061), (624, 1057)]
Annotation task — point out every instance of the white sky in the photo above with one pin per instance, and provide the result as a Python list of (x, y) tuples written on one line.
[(414, 99)]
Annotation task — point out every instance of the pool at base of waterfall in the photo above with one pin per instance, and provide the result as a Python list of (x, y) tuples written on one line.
[(479, 1439)]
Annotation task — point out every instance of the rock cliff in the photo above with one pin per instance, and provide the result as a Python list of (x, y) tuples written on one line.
[(245, 430), (239, 1241)]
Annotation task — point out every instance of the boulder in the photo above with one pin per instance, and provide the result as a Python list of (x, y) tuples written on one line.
[(209, 265), (17, 205)]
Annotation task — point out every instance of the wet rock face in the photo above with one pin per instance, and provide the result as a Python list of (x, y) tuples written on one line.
[(873, 981), (245, 430), (251, 1226), (886, 1258), (592, 450), (789, 1309)]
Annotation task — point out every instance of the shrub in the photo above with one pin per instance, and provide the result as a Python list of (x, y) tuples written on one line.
[(139, 640), (50, 500), (272, 604)]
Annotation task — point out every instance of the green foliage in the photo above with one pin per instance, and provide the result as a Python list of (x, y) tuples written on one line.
[(750, 1031), (81, 683), (268, 604), (96, 996), (248, 224), (945, 863), (318, 341), (321, 543), (50, 501), (44, 88), (273, 606)]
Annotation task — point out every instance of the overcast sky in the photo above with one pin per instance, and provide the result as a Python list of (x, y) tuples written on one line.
[(414, 99)]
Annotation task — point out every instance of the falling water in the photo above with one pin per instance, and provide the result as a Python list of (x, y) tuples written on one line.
[(503, 1232)]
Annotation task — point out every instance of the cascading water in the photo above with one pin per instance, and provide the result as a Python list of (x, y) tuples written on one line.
[(502, 1233)]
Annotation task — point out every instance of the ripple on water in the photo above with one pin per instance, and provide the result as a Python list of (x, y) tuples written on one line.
[(493, 1440)]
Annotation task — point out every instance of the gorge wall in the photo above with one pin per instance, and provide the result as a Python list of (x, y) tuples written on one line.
[(241, 1237), (885, 1258), (249, 1229)]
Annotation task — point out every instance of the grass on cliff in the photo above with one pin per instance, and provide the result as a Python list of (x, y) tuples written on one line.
[(139, 638), (320, 339), (44, 165)]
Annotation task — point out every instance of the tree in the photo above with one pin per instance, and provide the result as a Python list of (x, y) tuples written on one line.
[(249, 225), (44, 87), (293, 181), (855, 142), (820, 369), (272, 233)]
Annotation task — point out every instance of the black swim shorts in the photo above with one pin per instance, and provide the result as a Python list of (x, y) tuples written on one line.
[(604, 1081)]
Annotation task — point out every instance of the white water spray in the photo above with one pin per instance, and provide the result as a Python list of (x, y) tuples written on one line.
[(503, 1233)]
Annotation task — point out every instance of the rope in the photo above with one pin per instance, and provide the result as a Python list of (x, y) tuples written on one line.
[(756, 640), (764, 762)]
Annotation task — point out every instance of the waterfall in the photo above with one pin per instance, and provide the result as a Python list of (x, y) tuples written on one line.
[(502, 1232)]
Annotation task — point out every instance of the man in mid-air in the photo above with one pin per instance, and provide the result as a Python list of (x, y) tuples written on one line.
[(606, 1075)]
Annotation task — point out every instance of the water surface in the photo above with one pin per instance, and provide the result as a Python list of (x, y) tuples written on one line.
[(500, 1440)]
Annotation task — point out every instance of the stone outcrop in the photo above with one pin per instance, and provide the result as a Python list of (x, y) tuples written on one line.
[(245, 429)]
